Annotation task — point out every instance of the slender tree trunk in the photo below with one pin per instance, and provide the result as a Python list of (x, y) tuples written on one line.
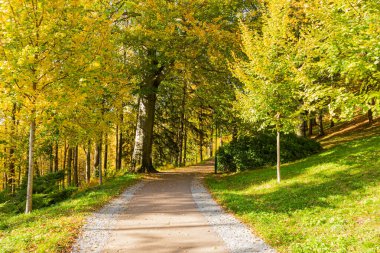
[(185, 147), (278, 158), (69, 165), (117, 148), (12, 173), (75, 170), (19, 176), (182, 124), (98, 164), (201, 146), (29, 191), (88, 162), (320, 124), (311, 122), (105, 155), (51, 158), (64, 163), (56, 157), (304, 128), (121, 142), (370, 113)]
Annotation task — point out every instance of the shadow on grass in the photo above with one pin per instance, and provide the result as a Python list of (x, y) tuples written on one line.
[(338, 172)]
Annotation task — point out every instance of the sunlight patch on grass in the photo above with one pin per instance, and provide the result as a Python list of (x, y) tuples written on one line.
[(53, 229), (325, 203)]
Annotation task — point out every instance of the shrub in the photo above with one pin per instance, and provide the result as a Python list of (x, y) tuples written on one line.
[(248, 152)]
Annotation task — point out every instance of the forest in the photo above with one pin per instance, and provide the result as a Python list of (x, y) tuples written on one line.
[(93, 88)]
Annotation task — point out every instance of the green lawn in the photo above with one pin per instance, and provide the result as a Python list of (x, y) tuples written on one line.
[(53, 229), (325, 203)]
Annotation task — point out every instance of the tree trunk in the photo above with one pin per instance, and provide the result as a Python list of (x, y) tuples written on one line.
[(64, 163), (75, 176), (139, 136), (311, 122), (370, 113), (29, 191), (69, 165), (278, 158), (98, 162), (182, 125), (51, 158), (105, 155), (320, 124), (185, 147), (56, 161), (148, 123), (88, 162), (148, 97), (121, 142), (117, 148), (12, 173)]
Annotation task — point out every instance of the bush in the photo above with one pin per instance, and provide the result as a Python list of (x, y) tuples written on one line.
[(46, 192), (248, 152)]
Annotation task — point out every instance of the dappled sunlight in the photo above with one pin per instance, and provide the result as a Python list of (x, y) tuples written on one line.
[(329, 199)]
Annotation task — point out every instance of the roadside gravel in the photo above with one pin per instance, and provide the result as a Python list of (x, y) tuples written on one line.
[(236, 235), (171, 213), (97, 229)]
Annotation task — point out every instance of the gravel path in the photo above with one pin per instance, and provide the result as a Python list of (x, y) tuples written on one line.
[(236, 235), (97, 230), (170, 213)]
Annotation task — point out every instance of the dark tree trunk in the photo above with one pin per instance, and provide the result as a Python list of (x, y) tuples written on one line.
[(320, 123), (105, 155), (56, 157), (51, 158), (182, 125), (304, 128), (120, 151), (311, 122), (332, 124), (370, 113), (117, 148), (98, 161), (69, 165), (185, 147), (88, 162), (149, 103), (75, 176), (64, 163), (370, 117)]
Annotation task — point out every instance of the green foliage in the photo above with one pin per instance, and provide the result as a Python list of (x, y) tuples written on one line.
[(328, 202), (46, 192), (248, 152)]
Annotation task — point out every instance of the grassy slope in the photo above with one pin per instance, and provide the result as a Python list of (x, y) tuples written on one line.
[(326, 203), (53, 229)]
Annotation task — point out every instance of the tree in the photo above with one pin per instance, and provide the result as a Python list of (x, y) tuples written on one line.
[(269, 96)]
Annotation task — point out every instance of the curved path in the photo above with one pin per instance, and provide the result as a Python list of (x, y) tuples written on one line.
[(173, 213)]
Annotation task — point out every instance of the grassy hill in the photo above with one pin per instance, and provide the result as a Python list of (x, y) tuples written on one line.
[(328, 202)]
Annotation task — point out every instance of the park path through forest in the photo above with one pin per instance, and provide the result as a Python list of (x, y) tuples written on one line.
[(171, 212)]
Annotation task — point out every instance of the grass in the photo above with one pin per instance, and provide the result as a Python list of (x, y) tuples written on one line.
[(53, 229), (328, 202)]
